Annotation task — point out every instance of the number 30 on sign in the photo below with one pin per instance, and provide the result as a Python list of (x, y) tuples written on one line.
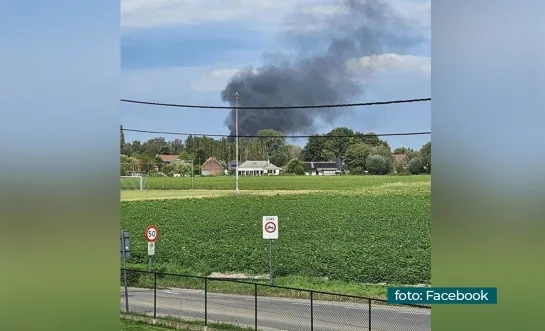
[(151, 233)]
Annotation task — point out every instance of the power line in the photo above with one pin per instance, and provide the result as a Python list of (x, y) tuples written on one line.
[(279, 107), (286, 136)]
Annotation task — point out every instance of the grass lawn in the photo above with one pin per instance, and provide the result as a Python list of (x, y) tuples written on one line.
[(171, 323), (128, 325), (268, 182)]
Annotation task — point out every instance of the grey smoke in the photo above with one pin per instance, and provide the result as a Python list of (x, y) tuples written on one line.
[(317, 73)]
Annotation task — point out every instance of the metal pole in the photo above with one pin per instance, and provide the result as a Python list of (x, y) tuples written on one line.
[(125, 272), (312, 311), (205, 302), (154, 295), (369, 317), (270, 262), (236, 142), (255, 305), (149, 265)]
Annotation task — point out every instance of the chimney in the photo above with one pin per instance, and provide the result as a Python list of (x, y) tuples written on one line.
[(268, 162)]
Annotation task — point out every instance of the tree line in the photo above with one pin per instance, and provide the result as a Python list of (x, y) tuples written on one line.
[(362, 153)]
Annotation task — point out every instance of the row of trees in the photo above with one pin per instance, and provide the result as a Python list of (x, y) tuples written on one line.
[(363, 153)]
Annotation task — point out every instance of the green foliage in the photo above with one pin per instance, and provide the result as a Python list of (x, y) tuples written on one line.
[(370, 139), (200, 156), (314, 148), (186, 156), (425, 154), (379, 236), (356, 155), (386, 153), (338, 140), (269, 144), (273, 141), (180, 167), (279, 159), (121, 138), (416, 166), (295, 167), (128, 165), (359, 170), (132, 277), (376, 165), (401, 150)]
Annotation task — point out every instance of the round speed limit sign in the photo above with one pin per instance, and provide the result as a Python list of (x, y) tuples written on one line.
[(151, 233)]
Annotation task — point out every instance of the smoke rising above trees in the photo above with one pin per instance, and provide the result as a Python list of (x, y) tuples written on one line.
[(318, 72)]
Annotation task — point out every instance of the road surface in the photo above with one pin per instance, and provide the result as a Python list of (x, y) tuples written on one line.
[(277, 313)]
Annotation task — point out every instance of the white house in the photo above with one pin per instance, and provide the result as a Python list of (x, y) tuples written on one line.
[(335, 167), (258, 168)]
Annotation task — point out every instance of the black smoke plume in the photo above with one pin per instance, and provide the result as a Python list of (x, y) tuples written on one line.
[(317, 73)]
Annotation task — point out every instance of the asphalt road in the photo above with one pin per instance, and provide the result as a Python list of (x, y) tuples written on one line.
[(277, 313)]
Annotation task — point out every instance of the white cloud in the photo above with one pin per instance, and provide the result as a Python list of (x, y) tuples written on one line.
[(147, 13), (261, 13), (391, 62), (215, 80)]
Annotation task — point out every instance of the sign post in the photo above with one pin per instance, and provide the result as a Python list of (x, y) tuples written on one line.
[(151, 235), (125, 241), (270, 232)]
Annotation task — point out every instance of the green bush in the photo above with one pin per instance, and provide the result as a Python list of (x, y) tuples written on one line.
[(377, 165), (416, 166), (133, 278)]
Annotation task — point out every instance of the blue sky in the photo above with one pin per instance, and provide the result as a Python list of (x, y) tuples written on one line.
[(185, 51)]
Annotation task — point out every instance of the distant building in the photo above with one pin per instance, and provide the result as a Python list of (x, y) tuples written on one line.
[(212, 167), (231, 165), (325, 168), (168, 158), (400, 162), (258, 168)]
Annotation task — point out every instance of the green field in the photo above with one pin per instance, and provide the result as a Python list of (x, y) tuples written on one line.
[(268, 182), (362, 230)]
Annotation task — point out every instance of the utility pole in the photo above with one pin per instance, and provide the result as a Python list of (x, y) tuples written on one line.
[(236, 143)]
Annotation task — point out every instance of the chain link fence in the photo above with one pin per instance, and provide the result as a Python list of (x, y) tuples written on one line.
[(261, 306)]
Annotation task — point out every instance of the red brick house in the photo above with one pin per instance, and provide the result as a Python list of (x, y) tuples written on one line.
[(212, 167)]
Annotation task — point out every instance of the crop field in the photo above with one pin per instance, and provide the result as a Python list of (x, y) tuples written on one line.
[(268, 182), (357, 230)]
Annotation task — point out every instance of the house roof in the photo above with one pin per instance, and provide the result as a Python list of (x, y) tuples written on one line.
[(321, 166), (257, 165), (398, 157), (168, 158), (209, 160), (271, 166)]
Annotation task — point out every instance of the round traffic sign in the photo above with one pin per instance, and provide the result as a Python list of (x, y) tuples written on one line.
[(151, 233), (270, 227)]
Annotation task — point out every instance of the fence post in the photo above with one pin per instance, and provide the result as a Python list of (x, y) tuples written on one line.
[(369, 318), (311, 311), (255, 305), (205, 302), (154, 295)]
